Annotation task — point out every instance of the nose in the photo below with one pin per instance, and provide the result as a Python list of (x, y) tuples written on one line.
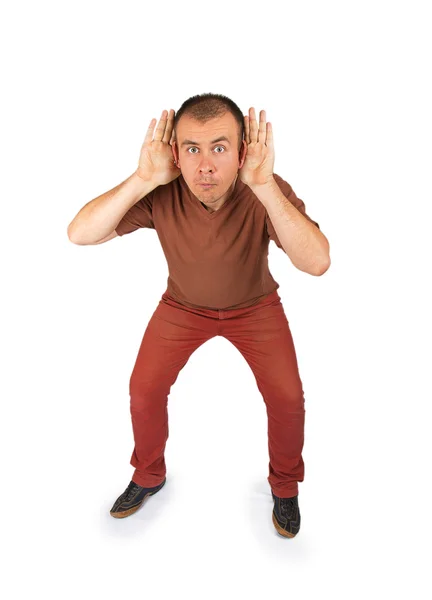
[(206, 166)]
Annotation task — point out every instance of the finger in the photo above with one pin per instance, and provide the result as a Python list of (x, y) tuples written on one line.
[(269, 141), (173, 136), (246, 132), (253, 125), (149, 135), (169, 127), (262, 133), (160, 129)]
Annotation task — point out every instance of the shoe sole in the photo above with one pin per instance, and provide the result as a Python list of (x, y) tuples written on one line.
[(130, 511), (281, 531)]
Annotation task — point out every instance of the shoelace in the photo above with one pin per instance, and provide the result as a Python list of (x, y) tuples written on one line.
[(130, 490), (287, 506)]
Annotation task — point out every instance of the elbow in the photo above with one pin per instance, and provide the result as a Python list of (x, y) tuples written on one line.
[(322, 269), (72, 236), (324, 262)]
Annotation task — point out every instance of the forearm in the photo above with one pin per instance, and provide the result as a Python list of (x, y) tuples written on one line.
[(304, 243), (99, 217)]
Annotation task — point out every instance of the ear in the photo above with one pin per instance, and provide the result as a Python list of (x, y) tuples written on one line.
[(242, 153), (175, 153)]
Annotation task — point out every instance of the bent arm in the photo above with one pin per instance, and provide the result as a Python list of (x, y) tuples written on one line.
[(96, 221)]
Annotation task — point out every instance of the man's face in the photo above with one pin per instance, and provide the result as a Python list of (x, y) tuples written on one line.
[(205, 158)]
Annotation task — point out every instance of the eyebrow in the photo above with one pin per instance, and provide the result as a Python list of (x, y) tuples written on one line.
[(222, 138)]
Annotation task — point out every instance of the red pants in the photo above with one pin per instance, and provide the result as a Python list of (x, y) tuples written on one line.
[(261, 333)]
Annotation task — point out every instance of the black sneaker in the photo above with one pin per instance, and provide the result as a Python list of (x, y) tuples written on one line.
[(132, 498), (286, 515)]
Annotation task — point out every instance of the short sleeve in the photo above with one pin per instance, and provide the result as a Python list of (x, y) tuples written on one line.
[(139, 215), (289, 193)]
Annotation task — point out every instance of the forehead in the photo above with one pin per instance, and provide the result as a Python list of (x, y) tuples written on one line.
[(189, 129)]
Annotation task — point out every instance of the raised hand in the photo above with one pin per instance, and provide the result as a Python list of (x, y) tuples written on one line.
[(156, 161), (258, 166)]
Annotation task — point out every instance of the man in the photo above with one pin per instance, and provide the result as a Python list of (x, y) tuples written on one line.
[(205, 183)]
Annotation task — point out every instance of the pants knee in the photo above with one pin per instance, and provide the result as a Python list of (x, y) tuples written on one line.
[(287, 398), (146, 395)]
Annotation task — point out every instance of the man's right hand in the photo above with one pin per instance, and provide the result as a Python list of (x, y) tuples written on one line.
[(156, 161)]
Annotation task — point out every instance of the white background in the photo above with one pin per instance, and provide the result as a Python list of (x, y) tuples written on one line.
[(346, 86)]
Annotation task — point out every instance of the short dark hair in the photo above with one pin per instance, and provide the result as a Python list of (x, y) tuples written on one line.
[(204, 107)]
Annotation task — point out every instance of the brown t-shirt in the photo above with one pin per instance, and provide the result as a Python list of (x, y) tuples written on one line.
[(216, 260)]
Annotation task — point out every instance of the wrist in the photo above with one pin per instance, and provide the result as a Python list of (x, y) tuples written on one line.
[(142, 185), (266, 191), (139, 175), (269, 182)]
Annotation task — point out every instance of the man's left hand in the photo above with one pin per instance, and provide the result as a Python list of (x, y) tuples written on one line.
[(258, 166)]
